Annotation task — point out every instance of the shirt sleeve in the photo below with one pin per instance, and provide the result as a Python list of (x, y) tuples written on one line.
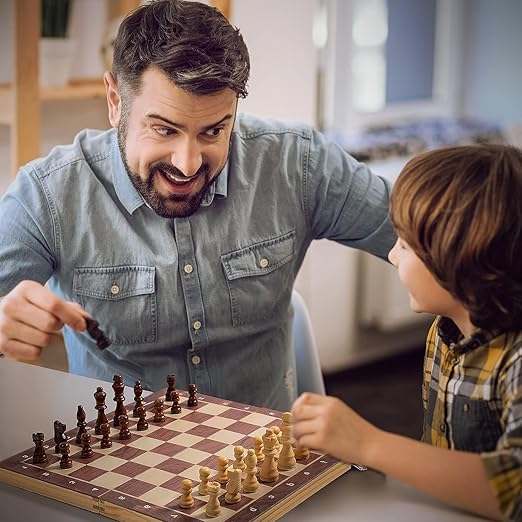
[(344, 200), (504, 465), (27, 233)]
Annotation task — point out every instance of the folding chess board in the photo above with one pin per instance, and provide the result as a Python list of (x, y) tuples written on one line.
[(140, 478)]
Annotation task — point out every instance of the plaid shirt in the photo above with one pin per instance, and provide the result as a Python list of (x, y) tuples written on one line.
[(472, 396)]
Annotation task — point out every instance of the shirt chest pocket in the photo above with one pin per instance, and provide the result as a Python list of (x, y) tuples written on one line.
[(257, 276), (122, 299)]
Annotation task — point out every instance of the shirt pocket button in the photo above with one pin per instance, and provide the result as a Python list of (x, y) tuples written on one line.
[(115, 289), (263, 263)]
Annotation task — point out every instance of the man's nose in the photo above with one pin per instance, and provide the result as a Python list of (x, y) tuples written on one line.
[(187, 157), (392, 257)]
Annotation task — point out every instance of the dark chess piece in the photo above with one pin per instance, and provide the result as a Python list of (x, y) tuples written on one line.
[(59, 435), (125, 433), (157, 407), (100, 395), (106, 441), (65, 450), (93, 329), (86, 446), (138, 390), (142, 423), (118, 388), (39, 455), (192, 399), (171, 383), (174, 397), (80, 416)]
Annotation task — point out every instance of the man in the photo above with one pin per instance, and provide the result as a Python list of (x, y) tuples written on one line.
[(182, 229)]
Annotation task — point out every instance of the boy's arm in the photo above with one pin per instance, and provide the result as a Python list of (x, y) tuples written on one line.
[(455, 477)]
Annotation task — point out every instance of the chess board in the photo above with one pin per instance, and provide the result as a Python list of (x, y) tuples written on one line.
[(140, 478)]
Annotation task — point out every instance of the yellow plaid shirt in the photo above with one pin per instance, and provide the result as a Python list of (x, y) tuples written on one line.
[(472, 397)]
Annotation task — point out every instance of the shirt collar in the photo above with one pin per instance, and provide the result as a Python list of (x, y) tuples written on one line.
[(452, 337), (131, 199)]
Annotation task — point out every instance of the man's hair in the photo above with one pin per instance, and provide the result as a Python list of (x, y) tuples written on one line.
[(192, 43), (460, 210)]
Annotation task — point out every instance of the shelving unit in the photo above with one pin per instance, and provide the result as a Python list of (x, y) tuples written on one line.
[(20, 103)]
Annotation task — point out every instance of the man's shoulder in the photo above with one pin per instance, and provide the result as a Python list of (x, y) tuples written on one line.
[(88, 147), (249, 126)]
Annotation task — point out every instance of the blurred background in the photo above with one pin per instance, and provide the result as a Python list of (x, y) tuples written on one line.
[(385, 78)]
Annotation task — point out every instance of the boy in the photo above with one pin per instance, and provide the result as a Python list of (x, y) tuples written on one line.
[(458, 215)]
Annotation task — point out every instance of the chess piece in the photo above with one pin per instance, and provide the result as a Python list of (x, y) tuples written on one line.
[(192, 398), (39, 455), (204, 474), (118, 387), (80, 417), (186, 501), (258, 447), (269, 471), (174, 397), (106, 441), (142, 422), (59, 435), (301, 453), (125, 433), (65, 450), (159, 416), (222, 475), (251, 484), (171, 382), (286, 458), (138, 401), (277, 433), (239, 454), (99, 396), (86, 446), (213, 507), (233, 496)]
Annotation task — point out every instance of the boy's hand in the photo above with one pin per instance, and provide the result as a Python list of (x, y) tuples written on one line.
[(329, 425), (29, 316)]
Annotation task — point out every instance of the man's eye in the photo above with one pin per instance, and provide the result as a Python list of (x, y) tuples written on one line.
[(164, 131), (214, 132)]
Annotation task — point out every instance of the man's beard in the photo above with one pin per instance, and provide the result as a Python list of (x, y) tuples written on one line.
[(171, 206)]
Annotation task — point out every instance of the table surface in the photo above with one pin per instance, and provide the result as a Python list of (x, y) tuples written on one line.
[(32, 395)]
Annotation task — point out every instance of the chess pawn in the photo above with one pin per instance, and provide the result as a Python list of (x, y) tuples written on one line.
[(204, 474), (258, 448), (192, 398), (222, 475), (174, 397), (86, 446), (277, 433), (106, 441), (301, 453), (186, 500), (232, 496), (159, 416), (65, 450), (138, 390), (171, 382), (39, 455), (239, 454), (251, 484), (269, 472), (142, 422), (125, 433), (213, 507)]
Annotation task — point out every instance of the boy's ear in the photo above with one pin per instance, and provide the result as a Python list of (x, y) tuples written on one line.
[(113, 99)]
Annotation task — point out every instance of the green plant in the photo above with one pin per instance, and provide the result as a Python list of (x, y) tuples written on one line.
[(55, 18)]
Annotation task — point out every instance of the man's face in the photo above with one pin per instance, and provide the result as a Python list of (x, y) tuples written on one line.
[(173, 143)]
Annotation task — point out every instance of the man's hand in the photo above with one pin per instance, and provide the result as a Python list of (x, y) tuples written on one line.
[(29, 317)]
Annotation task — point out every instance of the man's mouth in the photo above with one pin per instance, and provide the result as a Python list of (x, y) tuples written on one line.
[(182, 180)]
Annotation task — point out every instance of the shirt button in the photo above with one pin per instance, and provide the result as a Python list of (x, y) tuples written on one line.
[(188, 269), (443, 427), (196, 359), (115, 289), (196, 325), (263, 263)]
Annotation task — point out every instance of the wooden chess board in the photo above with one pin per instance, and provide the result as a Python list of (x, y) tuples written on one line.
[(140, 478)]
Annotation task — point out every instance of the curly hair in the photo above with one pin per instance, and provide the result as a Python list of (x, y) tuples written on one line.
[(191, 42), (460, 210)]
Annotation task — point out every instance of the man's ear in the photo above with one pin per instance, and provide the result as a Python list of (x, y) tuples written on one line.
[(113, 99)]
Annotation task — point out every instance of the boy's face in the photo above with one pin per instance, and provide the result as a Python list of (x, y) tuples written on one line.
[(426, 294)]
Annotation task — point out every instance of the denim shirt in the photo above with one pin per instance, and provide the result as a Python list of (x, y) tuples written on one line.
[(206, 297)]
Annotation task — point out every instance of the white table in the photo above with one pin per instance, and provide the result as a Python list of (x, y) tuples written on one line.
[(32, 397)]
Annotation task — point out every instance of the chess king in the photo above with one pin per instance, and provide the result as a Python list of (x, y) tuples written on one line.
[(183, 227)]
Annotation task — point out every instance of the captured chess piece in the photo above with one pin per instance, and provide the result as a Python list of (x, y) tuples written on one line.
[(118, 387), (86, 446), (157, 407), (138, 401), (65, 460), (125, 433), (233, 496), (59, 435), (192, 398), (39, 455), (106, 441), (174, 397), (204, 474), (171, 383), (187, 500), (213, 507), (142, 422), (99, 396), (93, 329), (80, 417)]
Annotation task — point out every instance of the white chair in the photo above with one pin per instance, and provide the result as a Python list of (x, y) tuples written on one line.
[(308, 367)]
